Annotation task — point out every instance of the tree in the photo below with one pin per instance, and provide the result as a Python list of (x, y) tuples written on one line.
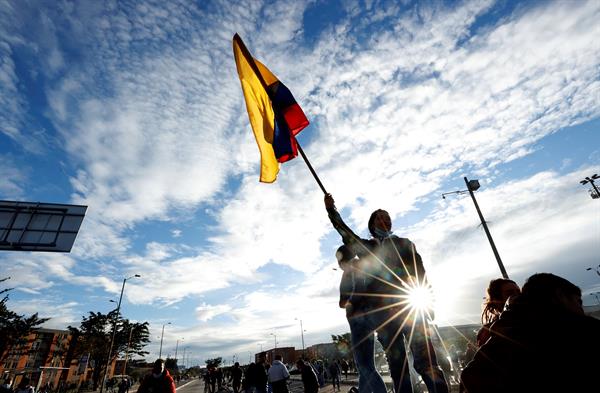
[(14, 328), (343, 343), (216, 362), (171, 365), (94, 335)]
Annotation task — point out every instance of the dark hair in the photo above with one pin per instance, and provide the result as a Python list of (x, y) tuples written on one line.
[(344, 254), (493, 304), (371, 224), (543, 288)]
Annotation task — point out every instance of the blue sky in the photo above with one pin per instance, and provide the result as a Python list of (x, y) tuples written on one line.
[(135, 109)]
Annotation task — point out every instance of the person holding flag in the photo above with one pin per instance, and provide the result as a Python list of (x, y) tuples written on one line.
[(393, 268)]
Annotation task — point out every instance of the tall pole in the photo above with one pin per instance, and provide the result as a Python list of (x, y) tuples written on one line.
[(176, 347), (112, 340), (161, 339), (301, 335), (487, 231)]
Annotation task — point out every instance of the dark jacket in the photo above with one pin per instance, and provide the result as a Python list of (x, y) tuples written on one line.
[(309, 379), (380, 261), (536, 349), (163, 384)]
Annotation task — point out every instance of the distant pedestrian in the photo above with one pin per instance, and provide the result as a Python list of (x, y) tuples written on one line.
[(158, 381), (334, 373), (123, 386), (236, 377), (309, 377), (320, 370), (257, 375), (24, 386), (278, 376), (6, 387), (345, 366), (206, 379)]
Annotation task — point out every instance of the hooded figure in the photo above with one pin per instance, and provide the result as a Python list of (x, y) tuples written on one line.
[(158, 381)]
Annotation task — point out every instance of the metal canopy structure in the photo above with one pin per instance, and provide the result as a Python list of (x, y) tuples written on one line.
[(36, 226)]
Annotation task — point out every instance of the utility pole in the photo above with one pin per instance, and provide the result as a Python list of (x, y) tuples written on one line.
[(590, 180), (473, 185), (114, 332), (161, 340)]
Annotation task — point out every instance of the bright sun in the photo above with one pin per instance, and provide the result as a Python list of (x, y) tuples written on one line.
[(420, 298)]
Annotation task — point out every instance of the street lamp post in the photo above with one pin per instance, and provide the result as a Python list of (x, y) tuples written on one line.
[(473, 185), (301, 334), (161, 339), (176, 347), (112, 340), (274, 338), (590, 180)]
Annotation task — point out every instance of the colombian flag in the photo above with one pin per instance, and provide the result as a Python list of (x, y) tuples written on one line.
[(275, 116)]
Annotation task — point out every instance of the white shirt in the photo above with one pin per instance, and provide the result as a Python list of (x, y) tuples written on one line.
[(278, 371)]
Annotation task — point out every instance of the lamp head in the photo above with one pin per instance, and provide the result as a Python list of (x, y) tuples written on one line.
[(474, 185)]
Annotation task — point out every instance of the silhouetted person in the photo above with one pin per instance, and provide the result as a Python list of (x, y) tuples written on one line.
[(352, 284), (158, 381), (498, 292), (542, 342), (236, 377), (309, 377), (24, 386), (391, 265), (334, 374), (257, 375), (6, 386)]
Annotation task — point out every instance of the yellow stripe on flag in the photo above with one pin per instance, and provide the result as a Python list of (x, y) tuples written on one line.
[(260, 110)]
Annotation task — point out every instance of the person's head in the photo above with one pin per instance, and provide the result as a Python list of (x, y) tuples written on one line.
[(497, 293), (344, 256), (379, 221), (300, 364), (278, 357), (237, 364), (24, 382), (551, 291), (158, 367), (261, 358)]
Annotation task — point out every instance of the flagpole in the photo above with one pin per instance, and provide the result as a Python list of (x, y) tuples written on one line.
[(250, 60), (311, 168)]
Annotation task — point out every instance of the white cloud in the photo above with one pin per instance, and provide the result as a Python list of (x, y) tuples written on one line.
[(207, 312), (12, 178), (153, 120)]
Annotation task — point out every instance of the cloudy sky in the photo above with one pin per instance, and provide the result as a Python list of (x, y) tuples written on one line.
[(134, 109)]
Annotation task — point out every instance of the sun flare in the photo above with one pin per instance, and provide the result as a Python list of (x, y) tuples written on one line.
[(420, 298)]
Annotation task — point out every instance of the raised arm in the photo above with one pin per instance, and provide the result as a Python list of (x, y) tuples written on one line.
[(348, 236)]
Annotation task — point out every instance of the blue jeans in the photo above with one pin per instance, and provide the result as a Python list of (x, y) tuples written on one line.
[(363, 348), (391, 329)]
